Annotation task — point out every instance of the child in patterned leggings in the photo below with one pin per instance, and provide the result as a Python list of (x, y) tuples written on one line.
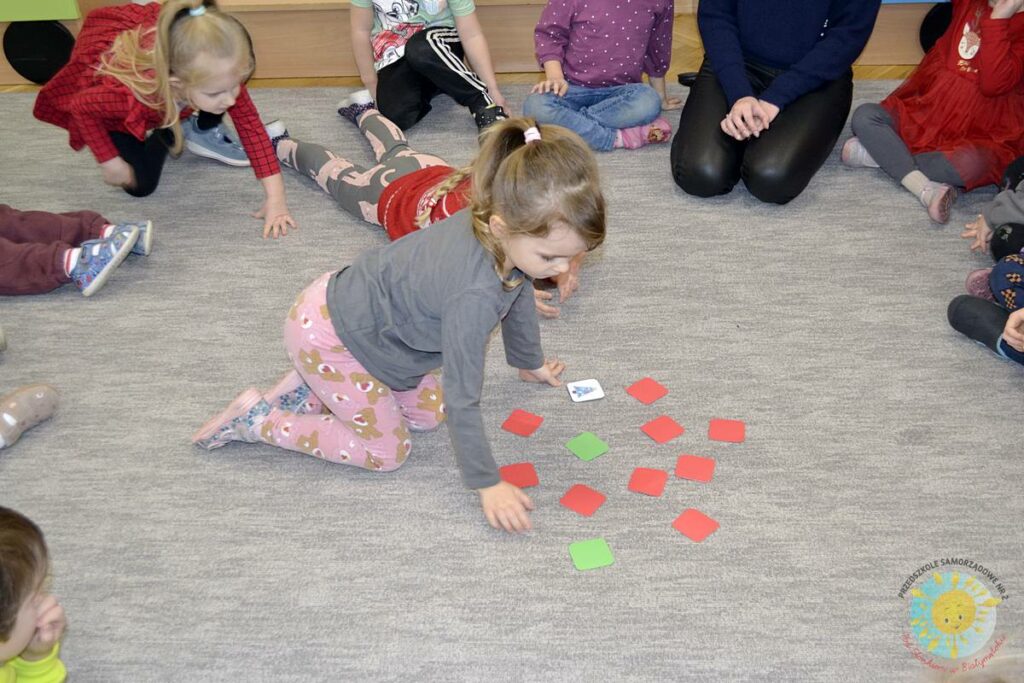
[(366, 340), (404, 191)]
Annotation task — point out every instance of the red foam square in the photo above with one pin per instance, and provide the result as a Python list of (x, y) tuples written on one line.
[(647, 390), (733, 431), (522, 423), (695, 467), (695, 525), (648, 481), (583, 499), (521, 474), (662, 429)]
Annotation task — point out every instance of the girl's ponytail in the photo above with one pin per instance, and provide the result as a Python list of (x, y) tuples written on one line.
[(535, 185)]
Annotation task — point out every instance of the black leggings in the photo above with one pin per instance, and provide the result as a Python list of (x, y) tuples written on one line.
[(147, 157), (776, 166)]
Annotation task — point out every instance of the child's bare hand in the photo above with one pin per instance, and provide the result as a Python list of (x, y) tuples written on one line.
[(1013, 333), (117, 172), (276, 219), (545, 310), (505, 507), (50, 627), (569, 281), (979, 231), (555, 86), (545, 374)]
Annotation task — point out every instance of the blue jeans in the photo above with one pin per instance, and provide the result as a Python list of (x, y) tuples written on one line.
[(595, 114)]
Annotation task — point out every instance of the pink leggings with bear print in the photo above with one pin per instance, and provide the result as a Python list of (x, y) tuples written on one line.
[(361, 421)]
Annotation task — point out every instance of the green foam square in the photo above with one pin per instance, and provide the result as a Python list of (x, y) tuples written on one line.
[(591, 554), (587, 446)]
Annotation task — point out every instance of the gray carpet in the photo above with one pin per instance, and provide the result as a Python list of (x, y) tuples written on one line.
[(878, 440)]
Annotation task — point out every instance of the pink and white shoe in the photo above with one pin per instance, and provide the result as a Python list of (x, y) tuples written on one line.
[(658, 130), (240, 421), (977, 284), (939, 198)]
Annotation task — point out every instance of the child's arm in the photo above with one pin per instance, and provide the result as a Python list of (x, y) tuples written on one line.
[(1007, 207), (550, 38), (274, 211), (1013, 333), (361, 20), (659, 55), (1001, 58), (253, 136), (478, 54), (91, 109)]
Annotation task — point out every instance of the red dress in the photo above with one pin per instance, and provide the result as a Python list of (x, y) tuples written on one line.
[(966, 98), (89, 106)]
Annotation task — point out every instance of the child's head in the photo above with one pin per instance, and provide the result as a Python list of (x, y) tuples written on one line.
[(536, 197), (23, 565), (200, 56)]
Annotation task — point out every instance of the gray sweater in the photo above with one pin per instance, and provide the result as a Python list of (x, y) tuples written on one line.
[(433, 298), (1007, 207)]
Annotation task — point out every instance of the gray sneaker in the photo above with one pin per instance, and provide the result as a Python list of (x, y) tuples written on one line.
[(214, 143)]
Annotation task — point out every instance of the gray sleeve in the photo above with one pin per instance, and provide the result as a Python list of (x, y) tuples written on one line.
[(465, 329), (520, 331), (1007, 207)]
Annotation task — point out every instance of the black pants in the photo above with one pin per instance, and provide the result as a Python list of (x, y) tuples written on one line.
[(776, 166), (433, 63), (147, 157)]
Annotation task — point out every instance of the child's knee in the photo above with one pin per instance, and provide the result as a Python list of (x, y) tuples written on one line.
[(867, 115), (647, 101), (539, 106)]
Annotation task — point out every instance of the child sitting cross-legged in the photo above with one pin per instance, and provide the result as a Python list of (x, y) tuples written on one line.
[(594, 54)]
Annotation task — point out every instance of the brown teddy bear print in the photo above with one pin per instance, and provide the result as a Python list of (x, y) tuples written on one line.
[(364, 424), (313, 364), (433, 400), (369, 386), (401, 432), (310, 444)]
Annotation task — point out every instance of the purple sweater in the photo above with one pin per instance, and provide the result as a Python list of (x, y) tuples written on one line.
[(815, 41), (603, 42)]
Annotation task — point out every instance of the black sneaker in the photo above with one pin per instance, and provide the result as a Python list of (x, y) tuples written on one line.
[(488, 116), (983, 321)]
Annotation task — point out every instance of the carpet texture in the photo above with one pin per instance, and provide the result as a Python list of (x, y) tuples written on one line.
[(878, 439)]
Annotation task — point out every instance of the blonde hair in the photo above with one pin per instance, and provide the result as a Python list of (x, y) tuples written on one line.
[(180, 38), (532, 186)]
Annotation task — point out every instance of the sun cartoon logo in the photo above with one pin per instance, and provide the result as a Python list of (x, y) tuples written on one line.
[(952, 614)]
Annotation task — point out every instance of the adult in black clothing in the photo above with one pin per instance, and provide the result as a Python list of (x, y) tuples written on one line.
[(772, 95)]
